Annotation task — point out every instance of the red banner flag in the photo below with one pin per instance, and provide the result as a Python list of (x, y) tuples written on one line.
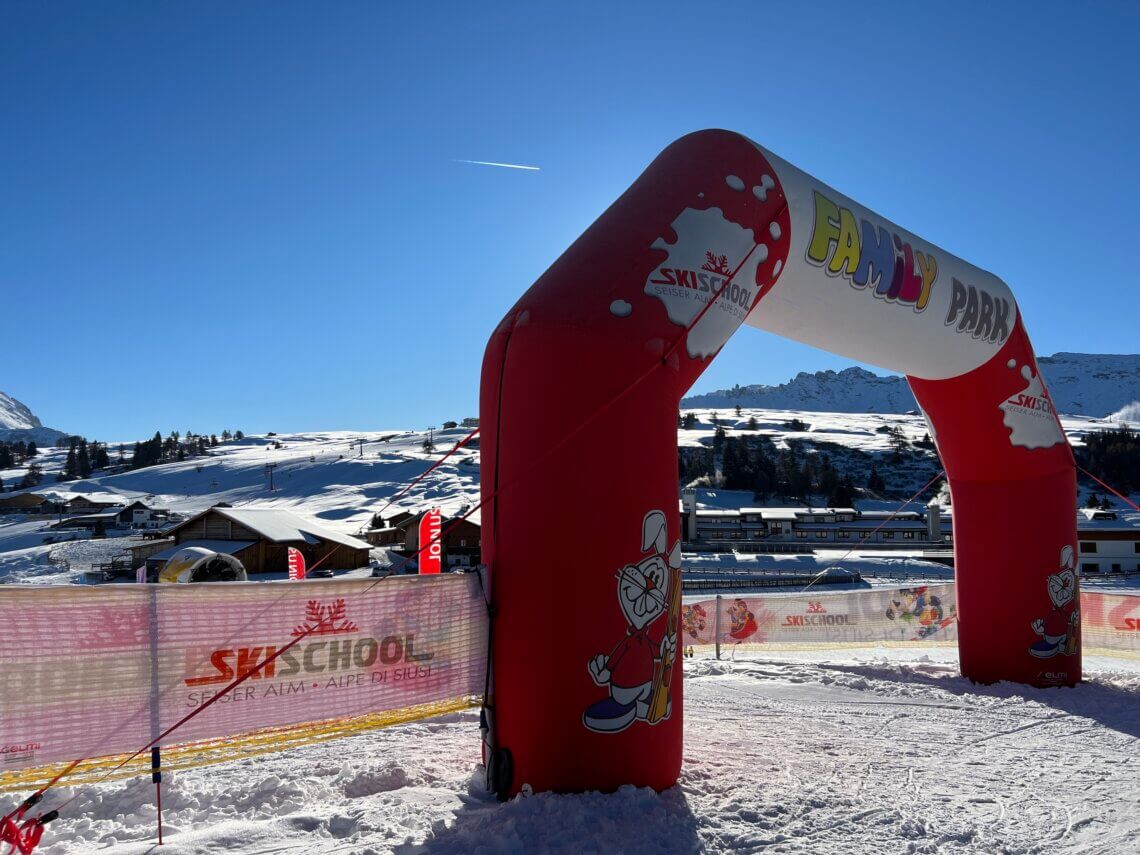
[(431, 525), (296, 565)]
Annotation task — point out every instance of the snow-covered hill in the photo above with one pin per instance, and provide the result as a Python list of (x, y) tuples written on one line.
[(17, 422), (1086, 384), (329, 475)]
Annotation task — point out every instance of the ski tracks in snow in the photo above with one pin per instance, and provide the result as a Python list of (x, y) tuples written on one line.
[(887, 757)]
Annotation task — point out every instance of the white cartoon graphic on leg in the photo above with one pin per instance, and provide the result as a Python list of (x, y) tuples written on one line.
[(1058, 629), (638, 670)]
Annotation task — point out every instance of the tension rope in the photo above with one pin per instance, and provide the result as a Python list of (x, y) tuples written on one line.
[(1110, 489), (875, 530), (429, 470), (25, 835)]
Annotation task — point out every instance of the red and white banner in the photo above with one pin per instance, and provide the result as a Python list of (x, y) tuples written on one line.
[(90, 672), (296, 563), (431, 527), (924, 613)]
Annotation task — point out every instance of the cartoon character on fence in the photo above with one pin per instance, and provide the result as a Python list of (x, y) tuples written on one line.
[(639, 670), (1058, 629), (694, 620), (741, 621), (919, 611)]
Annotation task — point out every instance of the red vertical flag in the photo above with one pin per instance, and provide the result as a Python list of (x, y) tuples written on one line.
[(431, 526), (296, 565)]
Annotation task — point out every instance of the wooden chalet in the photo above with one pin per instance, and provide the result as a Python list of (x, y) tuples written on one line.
[(260, 538)]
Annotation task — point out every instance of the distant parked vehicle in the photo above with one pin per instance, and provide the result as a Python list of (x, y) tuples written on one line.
[(320, 573)]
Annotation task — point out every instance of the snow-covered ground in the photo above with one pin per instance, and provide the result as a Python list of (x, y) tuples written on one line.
[(867, 751)]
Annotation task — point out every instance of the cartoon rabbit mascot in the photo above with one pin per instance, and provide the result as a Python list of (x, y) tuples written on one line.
[(639, 669), (1058, 629)]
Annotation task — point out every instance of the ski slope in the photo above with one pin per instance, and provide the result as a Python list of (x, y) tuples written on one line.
[(871, 751)]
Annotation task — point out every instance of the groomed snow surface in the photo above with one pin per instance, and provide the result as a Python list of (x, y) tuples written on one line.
[(873, 750)]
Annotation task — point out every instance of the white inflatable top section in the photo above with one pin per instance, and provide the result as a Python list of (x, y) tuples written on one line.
[(858, 285)]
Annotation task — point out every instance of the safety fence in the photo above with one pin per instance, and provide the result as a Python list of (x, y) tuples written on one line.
[(100, 672), (922, 614)]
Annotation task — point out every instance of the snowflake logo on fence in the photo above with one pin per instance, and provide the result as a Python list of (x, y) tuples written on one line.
[(815, 608), (325, 620), (715, 264)]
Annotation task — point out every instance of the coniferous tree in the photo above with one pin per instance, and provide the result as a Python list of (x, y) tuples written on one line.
[(718, 439), (843, 495), (875, 482), (1114, 457), (32, 450), (32, 477), (698, 464), (71, 464), (83, 460), (752, 423), (689, 421)]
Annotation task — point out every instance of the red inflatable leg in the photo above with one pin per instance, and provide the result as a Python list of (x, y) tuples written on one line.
[(581, 385)]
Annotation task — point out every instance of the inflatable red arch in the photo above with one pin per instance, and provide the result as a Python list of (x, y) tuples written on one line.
[(580, 389)]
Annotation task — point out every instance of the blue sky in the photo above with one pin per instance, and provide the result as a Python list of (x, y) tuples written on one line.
[(248, 215)]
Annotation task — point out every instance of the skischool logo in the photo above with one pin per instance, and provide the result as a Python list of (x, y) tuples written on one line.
[(313, 656)]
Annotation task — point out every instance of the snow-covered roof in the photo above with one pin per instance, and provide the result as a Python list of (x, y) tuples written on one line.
[(1096, 514), (282, 526), (229, 547), (1084, 525), (96, 498), (83, 519), (778, 514)]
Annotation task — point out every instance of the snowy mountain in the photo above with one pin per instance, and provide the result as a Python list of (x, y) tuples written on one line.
[(1088, 384), (17, 422)]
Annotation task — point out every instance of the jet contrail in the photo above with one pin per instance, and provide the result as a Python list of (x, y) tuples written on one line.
[(504, 165)]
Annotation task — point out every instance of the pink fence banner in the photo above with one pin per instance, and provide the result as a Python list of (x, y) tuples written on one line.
[(91, 672), (1111, 622)]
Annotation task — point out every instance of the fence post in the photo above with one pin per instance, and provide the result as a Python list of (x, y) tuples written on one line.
[(716, 626)]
